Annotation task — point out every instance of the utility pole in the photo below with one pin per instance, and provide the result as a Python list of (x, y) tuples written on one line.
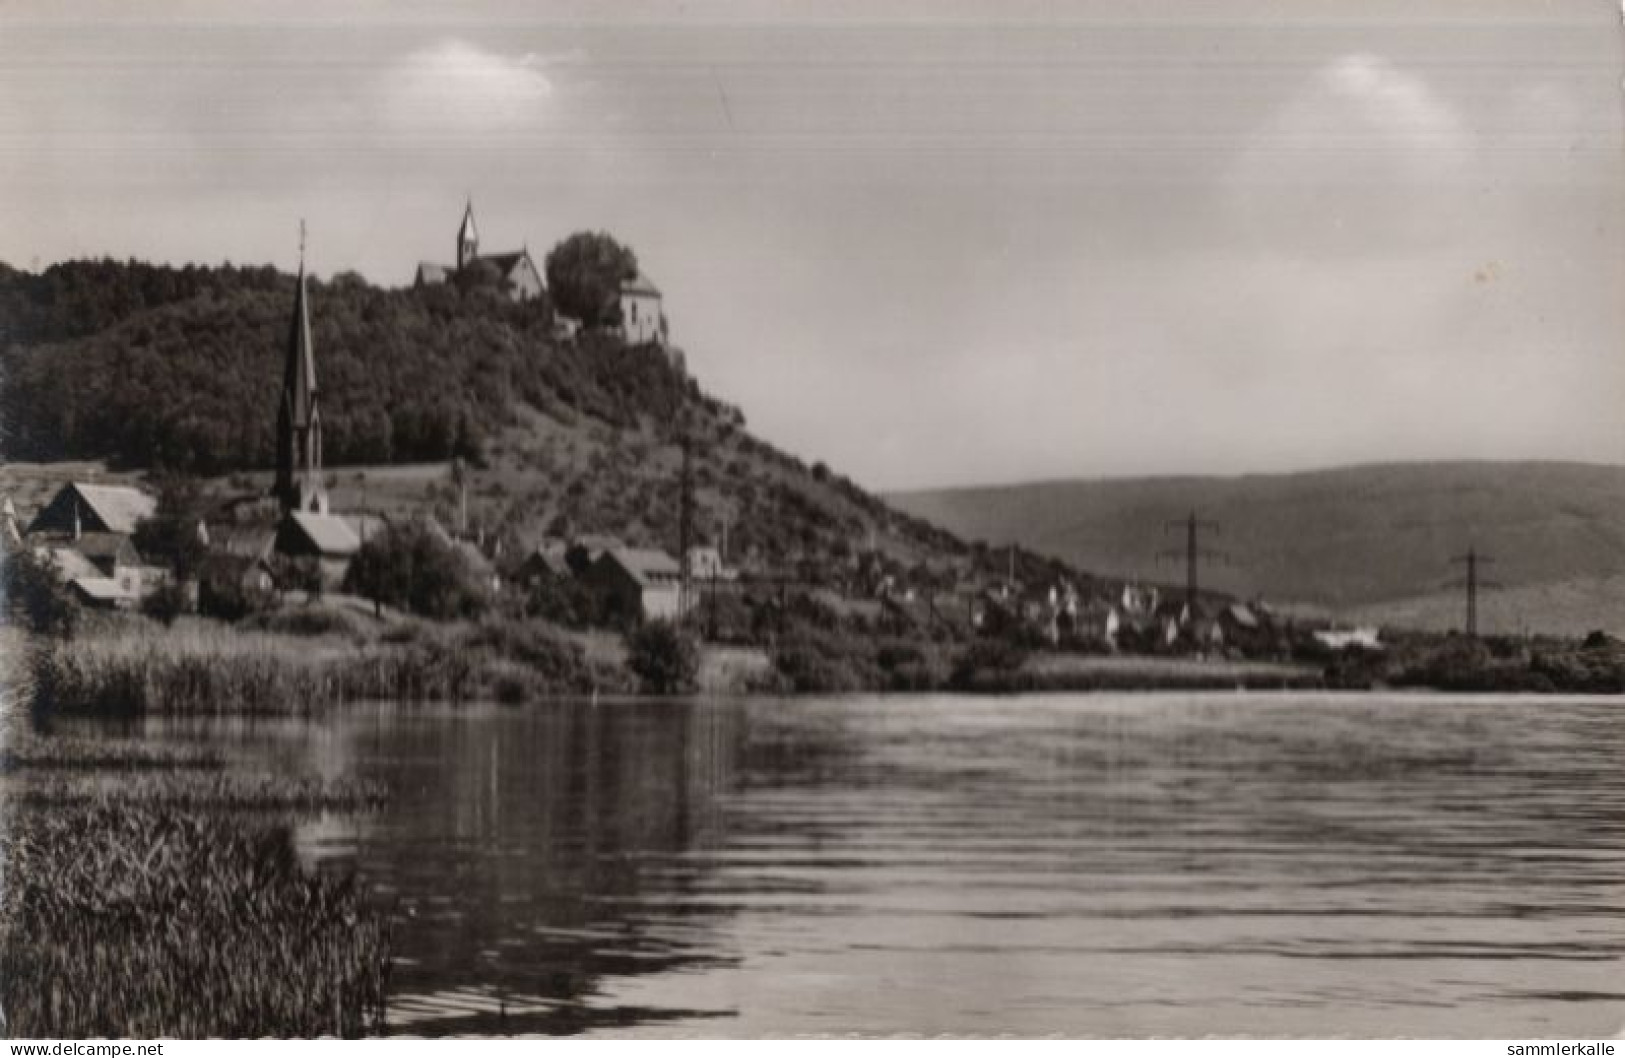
[(1193, 551), (1473, 582)]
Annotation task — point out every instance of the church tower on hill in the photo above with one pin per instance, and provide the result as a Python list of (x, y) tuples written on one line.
[(299, 417), (468, 238)]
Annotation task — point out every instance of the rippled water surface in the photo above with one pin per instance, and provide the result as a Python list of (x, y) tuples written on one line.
[(1088, 865)]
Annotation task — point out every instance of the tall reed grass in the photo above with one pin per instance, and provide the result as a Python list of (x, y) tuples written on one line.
[(202, 669), (137, 921)]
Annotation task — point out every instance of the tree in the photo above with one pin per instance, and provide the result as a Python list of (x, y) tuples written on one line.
[(34, 594), (663, 657), (584, 276), (170, 536), (412, 566)]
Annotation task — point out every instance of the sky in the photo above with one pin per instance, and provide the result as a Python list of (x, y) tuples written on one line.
[(929, 243)]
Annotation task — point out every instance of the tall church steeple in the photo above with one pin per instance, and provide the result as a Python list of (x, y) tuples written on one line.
[(468, 238), (299, 419)]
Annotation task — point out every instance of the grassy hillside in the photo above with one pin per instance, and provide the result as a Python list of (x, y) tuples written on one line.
[(1369, 540)]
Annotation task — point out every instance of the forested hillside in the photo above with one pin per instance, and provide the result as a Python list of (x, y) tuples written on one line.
[(191, 384), (178, 370)]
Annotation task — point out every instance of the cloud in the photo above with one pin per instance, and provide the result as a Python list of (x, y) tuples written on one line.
[(1363, 159), (1393, 104), (455, 88)]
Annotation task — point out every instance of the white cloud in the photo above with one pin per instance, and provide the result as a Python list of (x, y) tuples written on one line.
[(1390, 103), (1364, 159), (457, 88)]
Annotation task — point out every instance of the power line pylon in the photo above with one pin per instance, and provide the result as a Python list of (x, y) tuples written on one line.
[(1473, 582), (1193, 552)]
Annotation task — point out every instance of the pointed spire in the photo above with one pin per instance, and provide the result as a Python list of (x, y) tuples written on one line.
[(468, 237), (299, 426), (299, 376)]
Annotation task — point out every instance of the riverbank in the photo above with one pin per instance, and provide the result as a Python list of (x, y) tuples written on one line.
[(305, 661), (154, 891), (309, 662)]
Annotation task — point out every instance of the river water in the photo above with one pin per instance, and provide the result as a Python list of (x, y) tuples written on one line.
[(1098, 865)]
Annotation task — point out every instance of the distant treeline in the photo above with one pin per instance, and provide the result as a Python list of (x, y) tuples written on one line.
[(179, 368)]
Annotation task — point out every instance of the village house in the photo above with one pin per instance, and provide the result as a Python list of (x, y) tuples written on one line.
[(1364, 638), (705, 564), (518, 274), (79, 507), (324, 539), (637, 584), (643, 314), (547, 563), (84, 532), (242, 554)]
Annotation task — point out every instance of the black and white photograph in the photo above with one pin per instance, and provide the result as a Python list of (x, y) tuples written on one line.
[(780, 519)]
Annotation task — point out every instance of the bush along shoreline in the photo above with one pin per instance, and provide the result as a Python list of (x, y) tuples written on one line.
[(152, 894)]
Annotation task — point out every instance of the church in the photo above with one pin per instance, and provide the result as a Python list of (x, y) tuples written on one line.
[(643, 313), (518, 273), (306, 529)]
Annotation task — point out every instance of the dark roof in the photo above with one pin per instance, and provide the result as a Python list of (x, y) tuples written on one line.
[(506, 263), (429, 272), (640, 284)]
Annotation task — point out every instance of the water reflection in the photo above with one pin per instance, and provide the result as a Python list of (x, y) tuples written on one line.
[(1134, 865)]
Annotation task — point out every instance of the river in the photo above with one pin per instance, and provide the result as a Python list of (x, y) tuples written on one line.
[(1096, 865)]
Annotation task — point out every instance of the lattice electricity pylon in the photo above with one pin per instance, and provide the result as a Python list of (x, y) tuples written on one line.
[(1473, 582), (1193, 552)]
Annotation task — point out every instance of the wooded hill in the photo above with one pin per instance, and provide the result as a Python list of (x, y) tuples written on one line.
[(1367, 542), (160, 369)]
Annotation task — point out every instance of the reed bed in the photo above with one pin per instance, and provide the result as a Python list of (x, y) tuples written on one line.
[(204, 669), (217, 791), (215, 670), (25, 751), (121, 920)]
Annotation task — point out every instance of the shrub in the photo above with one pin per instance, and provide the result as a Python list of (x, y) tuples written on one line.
[(35, 597), (985, 656), (165, 603), (663, 657), (412, 566)]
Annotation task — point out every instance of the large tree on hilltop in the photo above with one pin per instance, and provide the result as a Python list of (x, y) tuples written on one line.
[(584, 276)]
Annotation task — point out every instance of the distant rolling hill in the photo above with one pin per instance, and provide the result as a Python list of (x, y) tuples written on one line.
[(1368, 542)]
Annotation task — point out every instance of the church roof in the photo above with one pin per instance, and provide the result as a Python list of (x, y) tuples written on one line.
[(505, 262), (466, 232), (328, 534), (640, 285)]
